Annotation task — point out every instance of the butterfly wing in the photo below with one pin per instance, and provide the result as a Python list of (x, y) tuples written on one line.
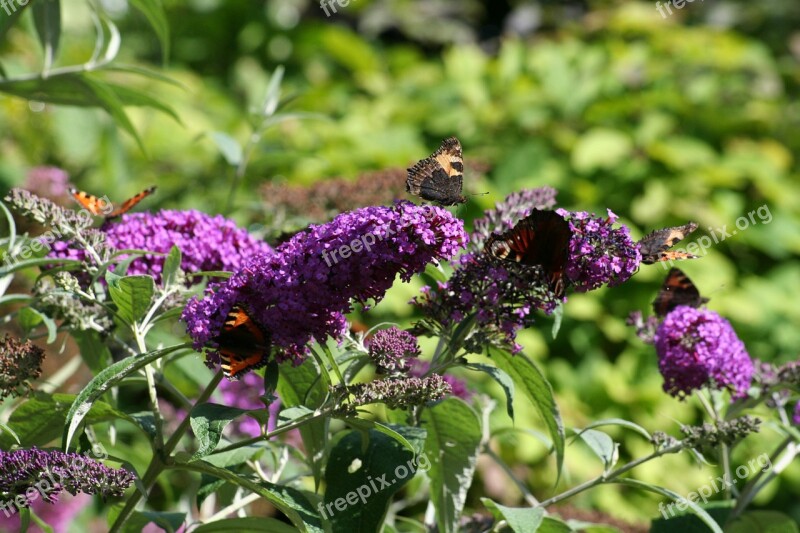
[(655, 246), (90, 202), (677, 290), (540, 239), (243, 346), (128, 204), (440, 177)]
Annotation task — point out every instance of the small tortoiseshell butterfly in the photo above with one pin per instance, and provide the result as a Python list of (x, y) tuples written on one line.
[(243, 345), (655, 246), (677, 290), (439, 178), (540, 239), (98, 206)]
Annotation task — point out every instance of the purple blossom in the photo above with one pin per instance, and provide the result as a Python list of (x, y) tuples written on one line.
[(696, 348), (47, 182), (458, 387), (246, 393), (58, 517), (206, 242), (31, 474), (302, 291), (796, 414), (392, 350), (599, 253)]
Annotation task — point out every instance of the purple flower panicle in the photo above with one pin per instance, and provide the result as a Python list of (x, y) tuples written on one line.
[(696, 348), (458, 387), (599, 253), (302, 291), (392, 350)]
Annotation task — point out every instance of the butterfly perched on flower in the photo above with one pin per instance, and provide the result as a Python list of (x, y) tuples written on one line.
[(243, 345), (656, 246), (677, 290), (439, 178), (540, 239), (98, 206)]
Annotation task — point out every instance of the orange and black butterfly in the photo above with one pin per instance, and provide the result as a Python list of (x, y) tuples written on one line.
[(440, 177), (655, 246), (677, 290), (243, 345), (540, 239), (98, 206)]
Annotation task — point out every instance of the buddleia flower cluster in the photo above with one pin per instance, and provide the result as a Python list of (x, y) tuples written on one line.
[(20, 364)]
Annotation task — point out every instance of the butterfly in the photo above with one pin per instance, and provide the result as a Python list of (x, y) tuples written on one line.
[(439, 178), (243, 345), (677, 290), (542, 238), (98, 206), (655, 246)]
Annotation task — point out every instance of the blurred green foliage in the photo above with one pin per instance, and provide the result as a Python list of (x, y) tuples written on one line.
[(692, 117)]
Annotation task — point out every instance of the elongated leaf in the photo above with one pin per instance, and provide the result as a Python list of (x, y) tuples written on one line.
[(520, 520), (39, 261), (29, 318), (273, 94), (169, 522), (229, 147), (503, 379), (552, 525), (766, 521), (153, 10), (94, 351), (171, 266), (619, 422), (109, 101), (254, 524), (103, 382), (132, 294), (5, 429), (291, 502), (452, 447), (362, 477), (602, 445), (47, 20), (538, 390), (208, 420), (696, 509)]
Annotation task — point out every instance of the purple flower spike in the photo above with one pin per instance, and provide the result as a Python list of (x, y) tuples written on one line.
[(392, 350), (796, 414), (303, 290), (697, 347), (599, 253)]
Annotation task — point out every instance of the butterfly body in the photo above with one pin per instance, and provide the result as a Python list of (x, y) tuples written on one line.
[(540, 239), (655, 246), (440, 177), (98, 206), (677, 290), (243, 345)]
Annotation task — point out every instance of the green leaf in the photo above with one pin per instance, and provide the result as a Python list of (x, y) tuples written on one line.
[(305, 386), (273, 95), (47, 20), (552, 525), (170, 522), (620, 422), (5, 429), (763, 522), (103, 382), (664, 526), (520, 520), (602, 445), (93, 350), (153, 10), (287, 500), (558, 315), (503, 379), (109, 101), (229, 147), (132, 294), (251, 524), (208, 421), (172, 265), (538, 390), (452, 447), (361, 480)]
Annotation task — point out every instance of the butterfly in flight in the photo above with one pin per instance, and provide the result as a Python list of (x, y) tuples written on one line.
[(677, 290), (540, 239), (439, 178), (243, 345), (656, 245), (98, 206)]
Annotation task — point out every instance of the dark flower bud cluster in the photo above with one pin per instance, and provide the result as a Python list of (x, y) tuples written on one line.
[(20, 363), (61, 302), (727, 432), (789, 373), (645, 328), (46, 212), (663, 440), (459, 389), (395, 392), (32, 473), (392, 350)]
